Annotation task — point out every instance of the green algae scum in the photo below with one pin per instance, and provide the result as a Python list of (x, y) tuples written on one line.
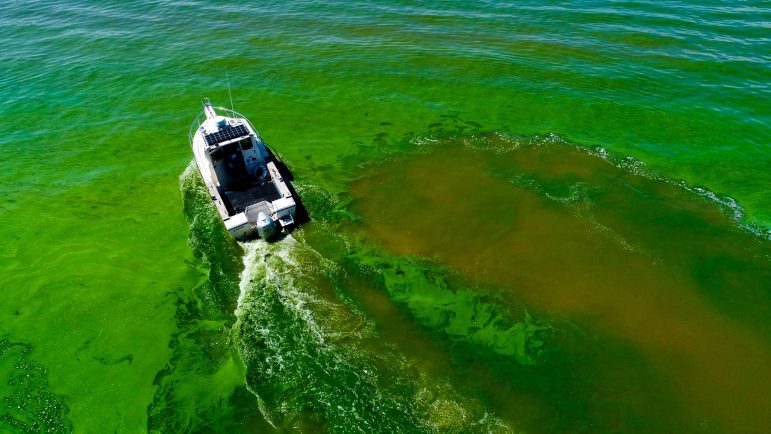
[(525, 217)]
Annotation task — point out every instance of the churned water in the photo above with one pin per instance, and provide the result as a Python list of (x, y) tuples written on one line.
[(525, 217)]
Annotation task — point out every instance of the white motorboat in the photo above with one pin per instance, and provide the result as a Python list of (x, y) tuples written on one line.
[(241, 174)]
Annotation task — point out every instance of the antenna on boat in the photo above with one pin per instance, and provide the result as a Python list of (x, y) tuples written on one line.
[(227, 77)]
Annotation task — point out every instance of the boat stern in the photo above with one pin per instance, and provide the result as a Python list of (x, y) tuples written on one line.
[(240, 227)]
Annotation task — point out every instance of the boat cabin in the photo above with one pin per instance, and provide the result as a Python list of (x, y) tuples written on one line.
[(239, 164), (237, 158)]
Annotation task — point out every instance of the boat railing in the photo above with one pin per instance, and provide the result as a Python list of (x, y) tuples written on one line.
[(222, 111)]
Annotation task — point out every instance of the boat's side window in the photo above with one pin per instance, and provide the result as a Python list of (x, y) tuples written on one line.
[(246, 144), (216, 155)]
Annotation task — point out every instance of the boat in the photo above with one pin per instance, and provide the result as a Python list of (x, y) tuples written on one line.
[(242, 174)]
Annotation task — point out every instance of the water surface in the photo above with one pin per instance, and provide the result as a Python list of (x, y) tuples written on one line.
[(603, 301)]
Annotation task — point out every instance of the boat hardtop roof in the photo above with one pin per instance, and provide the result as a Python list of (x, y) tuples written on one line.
[(226, 133), (218, 130)]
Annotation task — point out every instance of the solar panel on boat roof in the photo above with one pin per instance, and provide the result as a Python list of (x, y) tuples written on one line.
[(225, 133)]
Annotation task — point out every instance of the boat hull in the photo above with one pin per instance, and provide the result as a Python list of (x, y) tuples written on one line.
[(257, 207)]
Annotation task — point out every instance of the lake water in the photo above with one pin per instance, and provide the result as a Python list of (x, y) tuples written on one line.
[(525, 217)]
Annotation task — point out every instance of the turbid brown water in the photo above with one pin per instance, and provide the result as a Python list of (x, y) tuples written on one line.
[(646, 261)]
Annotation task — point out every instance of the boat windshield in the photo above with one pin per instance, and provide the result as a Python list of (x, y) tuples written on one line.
[(246, 144)]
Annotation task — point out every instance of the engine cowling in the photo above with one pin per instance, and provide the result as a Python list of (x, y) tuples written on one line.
[(266, 227)]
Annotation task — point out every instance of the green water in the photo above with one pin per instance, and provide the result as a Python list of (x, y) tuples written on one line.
[(525, 217)]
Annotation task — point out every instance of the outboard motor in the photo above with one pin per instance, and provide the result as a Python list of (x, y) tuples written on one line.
[(266, 227)]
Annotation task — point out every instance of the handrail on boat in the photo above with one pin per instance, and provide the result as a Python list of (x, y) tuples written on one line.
[(223, 112)]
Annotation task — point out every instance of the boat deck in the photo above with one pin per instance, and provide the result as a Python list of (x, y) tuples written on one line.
[(236, 201)]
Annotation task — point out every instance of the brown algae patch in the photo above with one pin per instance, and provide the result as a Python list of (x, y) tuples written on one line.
[(626, 255)]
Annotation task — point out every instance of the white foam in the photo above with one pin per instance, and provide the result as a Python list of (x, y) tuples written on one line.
[(637, 167), (726, 203), (283, 266), (425, 140), (188, 174), (276, 264)]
